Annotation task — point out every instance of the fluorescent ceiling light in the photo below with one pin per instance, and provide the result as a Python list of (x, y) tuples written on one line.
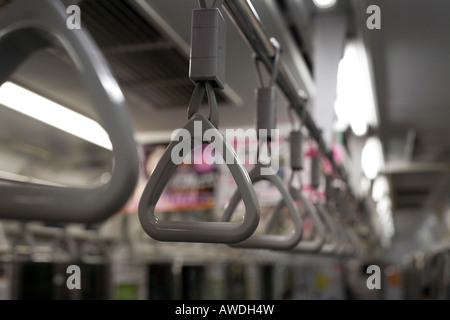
[(324, 4), (384, 207), (384, 210), (372, 158), (53, 114), (359, 128), (380, 188), (354, 104)]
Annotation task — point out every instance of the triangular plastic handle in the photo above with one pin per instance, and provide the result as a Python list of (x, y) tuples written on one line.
[(318, 241), (346, 247), (331, 247), (269, 241), (307, 246), (28, 26), (198, 231), (358, 250)]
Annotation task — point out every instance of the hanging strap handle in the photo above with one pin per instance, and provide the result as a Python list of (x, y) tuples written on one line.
[(266, 96), (276, 65), (355, 242), (296, 157), (26, 27), (197, 98), (200, 231), (297, 195), (206, 79), (265, 118), (331, 245), (344, 246), (269, 241), (319, 238), (306, 246), (296, 148)]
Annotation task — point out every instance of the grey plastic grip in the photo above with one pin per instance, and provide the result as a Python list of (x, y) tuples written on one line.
[(319, 239), (304, 245), (350, 246), (265, 111), (296, 145), (342, 241), (208, 47), (28, 26), (199, 231), (331, 246), (269, 241), (197, 99), (354, 240), (315, 171)]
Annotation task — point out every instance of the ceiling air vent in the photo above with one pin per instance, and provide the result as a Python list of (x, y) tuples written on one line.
[(146, 63)]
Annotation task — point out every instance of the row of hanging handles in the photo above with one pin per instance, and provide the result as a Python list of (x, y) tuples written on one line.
[(33, 22), (207, 65)]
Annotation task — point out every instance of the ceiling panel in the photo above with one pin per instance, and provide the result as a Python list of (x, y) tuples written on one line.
[(146, 62), (410, 60)]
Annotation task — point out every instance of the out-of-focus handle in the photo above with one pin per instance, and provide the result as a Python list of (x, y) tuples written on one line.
[(355, 241), (344, 247), (198, 231), (351, 246), (25, 27), (332, 246), (307, 246), (269, 241), (318, 241)]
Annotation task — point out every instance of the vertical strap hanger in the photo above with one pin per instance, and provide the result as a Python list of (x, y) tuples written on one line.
[(296, 156), (266, 95), (29, 26), (343, 243), (331, 245), (350, 245), (265, 122), (208, 35), (296, 144), (352, 235)]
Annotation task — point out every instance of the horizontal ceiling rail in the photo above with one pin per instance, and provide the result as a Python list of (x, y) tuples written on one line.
[(247, 21)]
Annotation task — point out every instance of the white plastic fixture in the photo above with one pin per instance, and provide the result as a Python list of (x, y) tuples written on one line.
[(37, 107), (324, 4)]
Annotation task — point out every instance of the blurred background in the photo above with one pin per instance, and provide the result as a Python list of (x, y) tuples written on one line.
[(374, 78)]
